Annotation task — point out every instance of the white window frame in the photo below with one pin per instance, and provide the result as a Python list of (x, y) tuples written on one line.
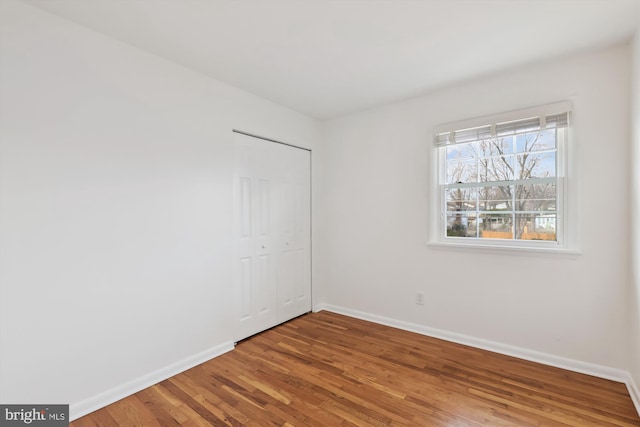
[(565, 238)]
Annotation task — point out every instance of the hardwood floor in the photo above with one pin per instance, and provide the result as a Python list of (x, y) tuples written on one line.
[(324, 369)]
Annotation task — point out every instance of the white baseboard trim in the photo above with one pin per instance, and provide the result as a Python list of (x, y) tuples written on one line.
[(600, 371), (84, 407), (634, 392)]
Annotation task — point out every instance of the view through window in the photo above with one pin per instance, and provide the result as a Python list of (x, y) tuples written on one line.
[(502, 181)]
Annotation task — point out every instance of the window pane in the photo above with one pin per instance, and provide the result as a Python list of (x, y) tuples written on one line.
[(495, 146), (495, 226), (535, 141), (498, 168), (462, 224), (536, 165), (536, 197), (461, 199), (462, 171), (461, 151), (536, 226), (495, 198)]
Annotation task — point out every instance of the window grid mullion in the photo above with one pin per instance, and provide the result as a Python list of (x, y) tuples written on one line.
[(513, 190), (477, 197), (548, 180)]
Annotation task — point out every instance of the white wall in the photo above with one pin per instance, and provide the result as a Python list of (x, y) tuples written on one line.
[(377, 205), (116, 189), (634, 297)]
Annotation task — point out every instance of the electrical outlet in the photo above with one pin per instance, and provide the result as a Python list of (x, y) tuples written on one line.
[(420, 298)]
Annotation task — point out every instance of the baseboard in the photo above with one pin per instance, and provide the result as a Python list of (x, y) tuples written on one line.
[(634, 392), (600, 371), (84, 407)]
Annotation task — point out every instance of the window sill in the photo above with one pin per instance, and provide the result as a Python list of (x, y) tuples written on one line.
[(472, 247)]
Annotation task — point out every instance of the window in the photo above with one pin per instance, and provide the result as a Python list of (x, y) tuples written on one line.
[(501, 179)]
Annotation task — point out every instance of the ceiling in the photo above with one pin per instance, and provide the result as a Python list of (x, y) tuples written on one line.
[(325, 58)]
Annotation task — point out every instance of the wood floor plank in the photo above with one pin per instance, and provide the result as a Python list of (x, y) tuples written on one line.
[(325, 370)]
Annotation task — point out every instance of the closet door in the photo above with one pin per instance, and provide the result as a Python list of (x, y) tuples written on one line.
[(255, 264), (272, 220), (293, 242)]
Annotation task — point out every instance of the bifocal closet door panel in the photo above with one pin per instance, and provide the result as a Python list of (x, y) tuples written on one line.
[(293, 232), (255, 269)]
